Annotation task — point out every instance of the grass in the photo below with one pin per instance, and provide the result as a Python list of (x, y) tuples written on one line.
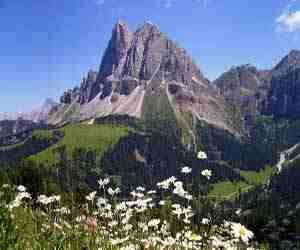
[(91, 137), (228, 189), (257, 178)]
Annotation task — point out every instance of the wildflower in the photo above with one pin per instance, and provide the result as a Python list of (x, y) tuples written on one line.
[(63, 210), (140, 189), (205, 221), (166, 183), (80, 218), (103, 182), (188, 196), (186, 170), (202, 155), (240, 231), (91, 224), (151, 192), (179, 190), (137, 194), (91, 196), (147, 244), (162, 203), (207, 173), (154, 223), (15, 203), (121, 206), (56, 225), (118, 241), (238, 212), (6, 186), (21, 188), (43, 199), (195, 237), (101, 202), (54, 198), (112, 192)]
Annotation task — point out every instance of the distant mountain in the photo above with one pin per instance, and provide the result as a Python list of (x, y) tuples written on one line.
[(12, 127), (273, 92), (15, 123), (245, 86), (139, 70), (38, 114)]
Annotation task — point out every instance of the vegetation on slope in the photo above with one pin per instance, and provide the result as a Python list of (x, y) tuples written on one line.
[(36, 142), (91, 137), (251, 179)]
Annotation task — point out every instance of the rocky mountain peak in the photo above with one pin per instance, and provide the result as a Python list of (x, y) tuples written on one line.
[(136, 66), (148, 28), (290, 61)]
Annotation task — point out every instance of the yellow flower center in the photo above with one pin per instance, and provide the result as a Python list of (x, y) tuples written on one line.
[(242, 231), (194, 236)]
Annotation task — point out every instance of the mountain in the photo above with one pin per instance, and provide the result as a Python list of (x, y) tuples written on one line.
[(138, 71), (15, 123), (245, 87), (38, 114), (284, 96), (270, 92), (11, 127), (289, 62)]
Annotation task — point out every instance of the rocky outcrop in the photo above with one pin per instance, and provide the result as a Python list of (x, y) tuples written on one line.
[(288, 63), (283, 99), (245, 87), (270, 92), (284, 96)]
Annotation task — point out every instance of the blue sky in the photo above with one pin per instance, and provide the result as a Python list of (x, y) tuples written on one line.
[(48, 46)]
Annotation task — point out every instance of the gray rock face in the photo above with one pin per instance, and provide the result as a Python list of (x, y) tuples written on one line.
[(283, 99), (246, 87), (83, 93), (136, 65), (289, 62), (132, 59), (271, 92), (284, 96), (113, 59)]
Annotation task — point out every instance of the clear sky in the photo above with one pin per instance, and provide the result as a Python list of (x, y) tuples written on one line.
[(48, 46)]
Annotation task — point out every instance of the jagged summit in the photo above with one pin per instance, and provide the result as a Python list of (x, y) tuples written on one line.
[(137, 65)]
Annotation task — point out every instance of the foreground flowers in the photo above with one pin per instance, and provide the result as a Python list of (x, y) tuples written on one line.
[(207, 173), (202, 155), (241, 232), (148, 219)]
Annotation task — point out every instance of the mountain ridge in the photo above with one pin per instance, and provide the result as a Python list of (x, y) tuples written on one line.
[(138, 64)]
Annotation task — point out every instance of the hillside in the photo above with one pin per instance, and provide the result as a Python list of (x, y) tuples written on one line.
[(90, 137)]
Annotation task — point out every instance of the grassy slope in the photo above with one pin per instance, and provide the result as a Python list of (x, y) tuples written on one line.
[(92, 137), (228, 189), (38, 141), (157, 112)]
